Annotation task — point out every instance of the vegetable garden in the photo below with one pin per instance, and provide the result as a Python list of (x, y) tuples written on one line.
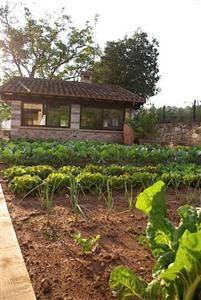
[(80, 211)]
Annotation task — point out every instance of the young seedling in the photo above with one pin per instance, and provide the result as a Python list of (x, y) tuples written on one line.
[(109, 199), (46, 195), (87, 245), (74, 189), (129, 196)]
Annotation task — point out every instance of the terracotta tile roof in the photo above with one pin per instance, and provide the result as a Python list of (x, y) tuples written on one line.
[(36, 86)]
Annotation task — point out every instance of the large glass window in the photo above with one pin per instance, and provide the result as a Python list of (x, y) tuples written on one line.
[(52, 115), (58, 115), (33, 114), (113, 118), (101, 118)]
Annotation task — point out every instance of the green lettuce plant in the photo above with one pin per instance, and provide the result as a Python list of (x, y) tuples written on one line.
[(177, 251)]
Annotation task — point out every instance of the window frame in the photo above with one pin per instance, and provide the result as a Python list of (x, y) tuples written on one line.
[(122, 108), (44, 105)]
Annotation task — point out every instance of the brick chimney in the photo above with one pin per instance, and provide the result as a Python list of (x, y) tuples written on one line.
[(85, 76)]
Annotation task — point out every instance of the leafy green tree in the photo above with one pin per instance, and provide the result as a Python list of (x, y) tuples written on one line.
[(131, 63), (4, 112), (144, 122), (50, 47)]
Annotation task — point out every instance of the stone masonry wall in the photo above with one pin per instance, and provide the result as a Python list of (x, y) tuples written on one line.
[(177, 134), (18, 131)]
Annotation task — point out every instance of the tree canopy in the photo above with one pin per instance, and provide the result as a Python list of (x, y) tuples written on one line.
[(132, 63), (50, 47)]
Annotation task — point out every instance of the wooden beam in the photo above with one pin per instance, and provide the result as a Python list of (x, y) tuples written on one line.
[(15, 283)]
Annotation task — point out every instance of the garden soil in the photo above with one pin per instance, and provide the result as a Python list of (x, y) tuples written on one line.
[(56, 264)]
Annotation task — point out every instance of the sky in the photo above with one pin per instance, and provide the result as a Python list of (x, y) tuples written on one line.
[(176, 24)]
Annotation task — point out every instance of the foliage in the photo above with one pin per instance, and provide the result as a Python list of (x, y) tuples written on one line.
[(21, 185), (4, 112), (50, 47), (87, 244), (46, 195), (74, 188), (109, 199), (57, 182), (131, 63), (144, 122), (23, 152), (177, 252), (42, 171)]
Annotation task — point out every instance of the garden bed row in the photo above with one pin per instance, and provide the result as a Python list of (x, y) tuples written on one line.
[(79, 152), (23, 180)]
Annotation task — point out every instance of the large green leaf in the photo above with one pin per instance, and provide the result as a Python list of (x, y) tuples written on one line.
[(190, 219), (185, 272), (126, 284), (160, 231), (152, 200)]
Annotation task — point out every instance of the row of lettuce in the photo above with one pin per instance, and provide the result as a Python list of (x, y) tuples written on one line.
[(76, 152), (23, 179)]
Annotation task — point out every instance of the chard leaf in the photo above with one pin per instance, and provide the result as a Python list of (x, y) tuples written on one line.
[(185, 272), (126, 284), (160, 231), (190, 219), (152, 200)]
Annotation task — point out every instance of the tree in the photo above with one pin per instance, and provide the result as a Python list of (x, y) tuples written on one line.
[(131, 63), (4, 112), (51, 47)]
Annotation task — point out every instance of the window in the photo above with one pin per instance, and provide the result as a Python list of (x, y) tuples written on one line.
[(58, 115), (33, 114), (91, 117), (113, 118), (51, 115), (101, 118)]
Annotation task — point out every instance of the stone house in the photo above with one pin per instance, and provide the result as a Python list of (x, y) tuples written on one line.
[(66, 110)]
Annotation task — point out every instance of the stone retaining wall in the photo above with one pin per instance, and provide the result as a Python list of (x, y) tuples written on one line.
[(177, 134)]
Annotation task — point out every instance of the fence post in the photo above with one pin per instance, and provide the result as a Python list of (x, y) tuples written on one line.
[(163, 113), (194, 110)]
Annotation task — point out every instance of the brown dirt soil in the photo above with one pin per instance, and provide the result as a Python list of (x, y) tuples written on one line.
[(57, 267)]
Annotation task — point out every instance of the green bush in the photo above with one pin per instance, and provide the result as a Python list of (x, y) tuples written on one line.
[(21, 185)]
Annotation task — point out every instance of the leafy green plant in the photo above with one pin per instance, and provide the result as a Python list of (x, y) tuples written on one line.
[(58, 182), (177, 272), (109, 200), (88, 244), (74, 189), (128, 192), (46, 195), (22, 185)]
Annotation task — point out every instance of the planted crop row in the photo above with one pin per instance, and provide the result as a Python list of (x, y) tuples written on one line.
[(23, 179), (76, 152)]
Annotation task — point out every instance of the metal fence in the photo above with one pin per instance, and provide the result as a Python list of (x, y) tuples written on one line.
[(188, 114)]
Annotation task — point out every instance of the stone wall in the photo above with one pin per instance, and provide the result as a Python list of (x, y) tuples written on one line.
[(177, 134), (72, 133)]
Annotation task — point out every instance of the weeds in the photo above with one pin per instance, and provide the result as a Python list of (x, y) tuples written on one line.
[(87, 245)]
